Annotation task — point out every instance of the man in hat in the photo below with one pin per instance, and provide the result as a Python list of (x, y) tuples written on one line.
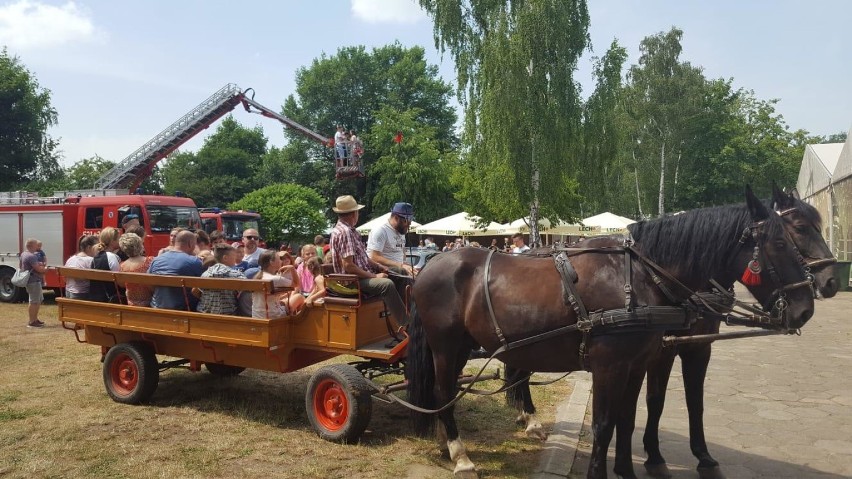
[(386, 244), (350, 257)]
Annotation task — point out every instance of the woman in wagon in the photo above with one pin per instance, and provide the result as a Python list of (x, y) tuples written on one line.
[(221, 301), (136, 262), (79, 288), (106, 259), (277, 304)]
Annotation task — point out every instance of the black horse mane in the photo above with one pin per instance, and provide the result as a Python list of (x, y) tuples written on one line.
[(699, 240)]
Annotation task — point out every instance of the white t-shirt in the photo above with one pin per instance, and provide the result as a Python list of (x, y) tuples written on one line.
[(388, 242), (262, 302), (522, 249), (78, 286)]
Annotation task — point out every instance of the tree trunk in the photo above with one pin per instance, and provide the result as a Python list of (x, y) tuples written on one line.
[(636, 171), (677, 171), (535, 238), (661, 205)]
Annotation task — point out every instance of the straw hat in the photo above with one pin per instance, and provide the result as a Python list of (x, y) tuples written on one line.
[(346, 204)]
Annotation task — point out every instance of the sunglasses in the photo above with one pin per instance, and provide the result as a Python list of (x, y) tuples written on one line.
[(253, 238)]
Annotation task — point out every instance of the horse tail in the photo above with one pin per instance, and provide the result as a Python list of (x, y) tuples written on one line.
[(514, 395), (420, 373)]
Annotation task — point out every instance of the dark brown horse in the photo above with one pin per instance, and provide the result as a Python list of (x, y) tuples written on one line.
[(803, 224), (451, 313)]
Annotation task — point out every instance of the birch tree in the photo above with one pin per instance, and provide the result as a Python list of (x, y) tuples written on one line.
[(515, 62)]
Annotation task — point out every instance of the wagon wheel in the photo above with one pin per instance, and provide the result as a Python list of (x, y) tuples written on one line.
[(339, 403), (223, 370), (131, 372)]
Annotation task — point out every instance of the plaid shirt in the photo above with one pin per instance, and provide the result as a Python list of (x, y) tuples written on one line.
[(219, 301), (345, 242)]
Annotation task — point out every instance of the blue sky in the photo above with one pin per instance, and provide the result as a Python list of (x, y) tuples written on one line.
[(120, 72)]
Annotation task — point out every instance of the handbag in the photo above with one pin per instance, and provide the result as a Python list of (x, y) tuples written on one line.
[(21, 278)]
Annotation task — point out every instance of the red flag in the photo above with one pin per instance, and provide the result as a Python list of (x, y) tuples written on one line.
[(398, 138)]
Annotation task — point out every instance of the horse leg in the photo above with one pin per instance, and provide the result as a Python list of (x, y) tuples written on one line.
[(606, 392), (694, 367), (446, 377), (626, 424), (659, 371), (520, 398)]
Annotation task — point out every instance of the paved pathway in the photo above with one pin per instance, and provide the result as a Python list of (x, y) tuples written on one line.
[(774, 406)]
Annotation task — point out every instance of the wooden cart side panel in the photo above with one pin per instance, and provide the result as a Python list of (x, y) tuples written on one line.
[(186, 324)]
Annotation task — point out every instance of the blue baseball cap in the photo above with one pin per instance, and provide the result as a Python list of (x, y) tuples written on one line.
[(403, 209)]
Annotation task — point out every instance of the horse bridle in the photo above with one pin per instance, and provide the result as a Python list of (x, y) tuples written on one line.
[(778, 297), (813, 263)]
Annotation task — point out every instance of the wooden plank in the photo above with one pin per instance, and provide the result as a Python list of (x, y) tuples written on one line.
[(171, 281)]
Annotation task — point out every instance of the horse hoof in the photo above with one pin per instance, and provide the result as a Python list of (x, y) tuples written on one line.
[(536, 431), (710, 473), (465, 474), (658, 471)]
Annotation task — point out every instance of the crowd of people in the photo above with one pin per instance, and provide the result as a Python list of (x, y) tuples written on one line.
[(379, 265), (516, 245)]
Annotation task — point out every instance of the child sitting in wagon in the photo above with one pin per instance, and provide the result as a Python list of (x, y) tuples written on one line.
[(221, 301), (276, 304)]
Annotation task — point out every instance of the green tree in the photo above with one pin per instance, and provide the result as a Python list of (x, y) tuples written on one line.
[(27, 152), (290, 212), (224, 168), (606, 173), (664, 99), (515, 63), (839, 137), (413, 170), (86, 172), (350, 88)]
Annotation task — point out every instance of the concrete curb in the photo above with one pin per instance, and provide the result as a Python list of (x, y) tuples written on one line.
[(560, 449)]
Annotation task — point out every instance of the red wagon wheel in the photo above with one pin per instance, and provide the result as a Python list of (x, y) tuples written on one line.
[(339, 403), (130, 372)]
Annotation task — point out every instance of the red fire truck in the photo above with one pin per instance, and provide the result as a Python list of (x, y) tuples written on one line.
[(59, 223)]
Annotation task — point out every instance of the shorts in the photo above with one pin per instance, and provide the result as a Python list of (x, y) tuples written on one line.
[(35, 292)]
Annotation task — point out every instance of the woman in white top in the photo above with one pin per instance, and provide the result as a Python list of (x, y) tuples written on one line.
[(79, 288), (276, 304)]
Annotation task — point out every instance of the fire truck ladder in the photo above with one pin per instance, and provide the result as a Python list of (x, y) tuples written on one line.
[(131, 171)]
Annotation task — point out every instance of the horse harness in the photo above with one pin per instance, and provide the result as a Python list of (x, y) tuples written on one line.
[(645, 318)]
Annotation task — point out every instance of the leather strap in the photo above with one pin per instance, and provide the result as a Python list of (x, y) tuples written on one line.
[(486, 277)]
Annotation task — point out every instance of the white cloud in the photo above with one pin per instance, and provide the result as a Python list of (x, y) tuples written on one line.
[(387, 11), (29, 25)]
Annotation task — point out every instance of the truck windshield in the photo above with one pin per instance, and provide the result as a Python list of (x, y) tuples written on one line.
[(233, 226), (164, 218)]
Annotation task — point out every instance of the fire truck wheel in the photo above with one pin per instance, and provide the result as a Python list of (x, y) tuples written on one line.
[(339, 403), (223, 370), (9, 293), (131, 372)]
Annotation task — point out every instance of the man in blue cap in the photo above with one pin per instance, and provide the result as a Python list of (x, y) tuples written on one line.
[(386, 244)]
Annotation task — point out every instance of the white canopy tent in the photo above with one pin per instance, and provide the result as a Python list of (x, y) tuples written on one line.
[(376, 222), (460, 224), (608, 222), (825, 181), (522, 225)]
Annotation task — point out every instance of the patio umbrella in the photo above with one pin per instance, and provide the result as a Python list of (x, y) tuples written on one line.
[(376, 222), (460, 224)]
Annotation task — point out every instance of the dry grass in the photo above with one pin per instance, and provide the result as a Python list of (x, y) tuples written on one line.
[(56, 420)]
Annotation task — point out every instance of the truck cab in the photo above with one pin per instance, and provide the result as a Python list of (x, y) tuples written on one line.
[(230, 223)]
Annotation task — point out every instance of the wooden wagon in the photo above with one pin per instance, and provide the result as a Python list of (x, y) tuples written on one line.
[(338, 399)]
